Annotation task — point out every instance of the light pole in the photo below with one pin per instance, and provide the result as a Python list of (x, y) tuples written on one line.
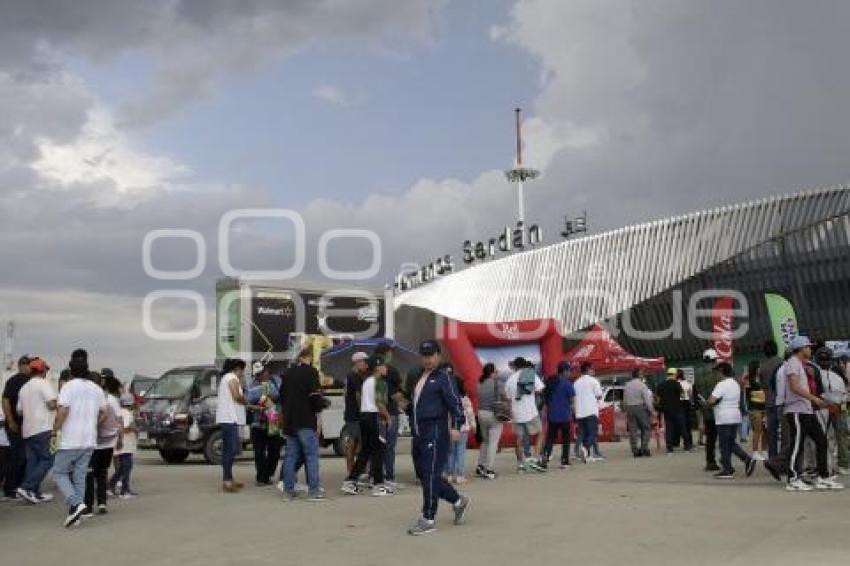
[(519, 174)]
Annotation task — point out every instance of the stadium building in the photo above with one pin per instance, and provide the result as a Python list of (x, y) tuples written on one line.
[(650, 277)]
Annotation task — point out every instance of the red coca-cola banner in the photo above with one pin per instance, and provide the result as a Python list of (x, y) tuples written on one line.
[(721, 328)]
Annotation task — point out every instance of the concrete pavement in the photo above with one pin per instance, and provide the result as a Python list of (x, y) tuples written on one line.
[(662, 510)]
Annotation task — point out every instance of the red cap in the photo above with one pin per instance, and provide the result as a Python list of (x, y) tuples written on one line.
[(38, 365)]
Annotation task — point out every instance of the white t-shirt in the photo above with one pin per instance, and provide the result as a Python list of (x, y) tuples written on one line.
[(367, 396), (227, 410), (32, 405), (588, 394), (523, 410), (728, 410), (113, 408), (130, 440), (84, 401), (686, 390)]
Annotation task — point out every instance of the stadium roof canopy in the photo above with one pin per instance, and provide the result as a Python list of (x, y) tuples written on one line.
[(587, 280)]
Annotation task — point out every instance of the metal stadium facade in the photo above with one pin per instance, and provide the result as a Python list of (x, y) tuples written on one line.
[(646, 276)]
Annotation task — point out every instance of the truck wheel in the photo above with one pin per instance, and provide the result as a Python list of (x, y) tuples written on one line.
[(213, 447), (341, 444), (174, 456)]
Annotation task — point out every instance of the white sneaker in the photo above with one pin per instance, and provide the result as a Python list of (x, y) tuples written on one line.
[(349, 487), (301, 487), (798, 485), (45, 497), (381, 491), (280, 487), (827, 483)]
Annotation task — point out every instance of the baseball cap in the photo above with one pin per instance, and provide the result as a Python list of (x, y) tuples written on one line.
[(257, 368), (38, 365), (429, 348), (25, 359), (106, 372), (672, 371), (375, 360), (800, 342), (359, 357)]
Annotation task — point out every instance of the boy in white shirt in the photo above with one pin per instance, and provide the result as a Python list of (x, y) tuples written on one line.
[(36, 406)]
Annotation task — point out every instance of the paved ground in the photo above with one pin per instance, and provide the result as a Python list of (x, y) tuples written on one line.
[(658, 511)]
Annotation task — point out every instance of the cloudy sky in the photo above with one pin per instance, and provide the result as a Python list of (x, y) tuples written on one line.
[(122, 117)]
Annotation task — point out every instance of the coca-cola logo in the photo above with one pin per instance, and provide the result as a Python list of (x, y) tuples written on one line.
[(722, 329)]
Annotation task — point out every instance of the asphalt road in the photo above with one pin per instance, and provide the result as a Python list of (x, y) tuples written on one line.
[(662, 510)]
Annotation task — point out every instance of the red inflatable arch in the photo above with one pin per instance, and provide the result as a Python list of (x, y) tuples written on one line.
[(461, 338)]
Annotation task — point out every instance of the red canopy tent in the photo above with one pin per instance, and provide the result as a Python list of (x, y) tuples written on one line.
[(607, 356)]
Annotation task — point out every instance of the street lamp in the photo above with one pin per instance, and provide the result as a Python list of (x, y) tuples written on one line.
[(519, 174)]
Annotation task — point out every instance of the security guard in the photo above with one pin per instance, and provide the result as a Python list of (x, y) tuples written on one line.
[(435, 400)]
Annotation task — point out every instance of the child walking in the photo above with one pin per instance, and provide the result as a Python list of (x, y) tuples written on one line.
[(456, 465), (125, 451)]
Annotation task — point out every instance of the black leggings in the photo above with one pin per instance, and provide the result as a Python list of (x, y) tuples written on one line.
[(98, 474), (552, 430), (371, 450)]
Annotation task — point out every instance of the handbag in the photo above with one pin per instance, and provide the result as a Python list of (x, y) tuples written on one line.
[(501, 407)]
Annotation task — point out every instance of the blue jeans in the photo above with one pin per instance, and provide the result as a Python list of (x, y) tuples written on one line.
[(230, 438), (773, 416), (727, 438), (69, 473), (392, 441), (304, 445), (589, 427), (122, 473), (456, 464), (39, 461)]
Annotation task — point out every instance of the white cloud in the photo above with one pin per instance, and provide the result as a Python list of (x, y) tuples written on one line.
[(103, 154), (332, 95)]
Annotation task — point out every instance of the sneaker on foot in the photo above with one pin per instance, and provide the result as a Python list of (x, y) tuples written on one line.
[(712, 467), (316, 495), (102, 510), (751, 466), (827, 483), (460, 508), (481, 472), (44, 497), (798, 485), (349, 487), (87, 514), (490, 474), (27, 496), (128, 495), (74, 515), (535, 465), (422, 527), (381, 491), (724, 475), (280, 487)]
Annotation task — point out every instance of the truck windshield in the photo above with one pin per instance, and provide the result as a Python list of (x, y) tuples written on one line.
[(172, 386)]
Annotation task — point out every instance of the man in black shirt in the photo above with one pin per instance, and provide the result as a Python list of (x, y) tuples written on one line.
[(353, 384), (394, 405), (301, 401), (669, 397), (17, 454)]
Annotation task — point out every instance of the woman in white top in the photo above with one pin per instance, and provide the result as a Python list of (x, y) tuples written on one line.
[(230, 415), (108, 434), (726, 401)]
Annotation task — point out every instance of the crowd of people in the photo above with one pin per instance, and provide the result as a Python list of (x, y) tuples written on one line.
[(78, 431), (795, 408)]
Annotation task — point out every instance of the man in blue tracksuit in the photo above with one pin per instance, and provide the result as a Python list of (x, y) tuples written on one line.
[(435, 400)]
